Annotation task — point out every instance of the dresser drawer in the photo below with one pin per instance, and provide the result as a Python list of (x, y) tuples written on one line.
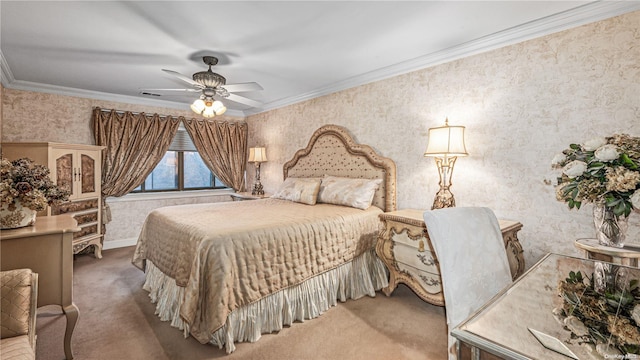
[(409, 255), (410, 237), (427, 281)]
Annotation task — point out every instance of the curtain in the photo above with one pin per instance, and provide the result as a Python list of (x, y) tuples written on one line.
[(223, 148), (134, 144)]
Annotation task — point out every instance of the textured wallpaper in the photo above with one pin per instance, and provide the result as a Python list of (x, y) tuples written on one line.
[(67, 119), (521, 105)]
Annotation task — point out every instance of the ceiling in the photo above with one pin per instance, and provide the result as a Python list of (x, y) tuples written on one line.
[(296, 51)]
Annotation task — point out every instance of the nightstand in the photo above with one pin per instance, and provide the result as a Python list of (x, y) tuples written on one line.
[(241, 196), (406, 250)]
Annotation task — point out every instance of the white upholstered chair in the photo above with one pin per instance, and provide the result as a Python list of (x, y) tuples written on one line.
[(473, 262)]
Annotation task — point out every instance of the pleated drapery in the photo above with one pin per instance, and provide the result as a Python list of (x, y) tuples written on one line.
[(223, 148), (134, 145)]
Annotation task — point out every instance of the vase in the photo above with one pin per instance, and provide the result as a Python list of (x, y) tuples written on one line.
[(21, 216), (610, 278), (611, 230)]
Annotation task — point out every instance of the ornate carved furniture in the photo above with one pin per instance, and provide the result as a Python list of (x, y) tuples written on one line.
[(46, 248), (627, 255), (19, 303), (405, 248), (76, 168)]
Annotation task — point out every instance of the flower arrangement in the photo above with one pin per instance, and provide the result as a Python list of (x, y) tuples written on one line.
[(608, 318), (23, 180), (602, 170)]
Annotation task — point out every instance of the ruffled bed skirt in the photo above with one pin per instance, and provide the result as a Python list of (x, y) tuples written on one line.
[(362, 276)]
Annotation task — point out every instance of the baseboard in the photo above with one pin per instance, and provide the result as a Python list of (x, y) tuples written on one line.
[(114, 244)]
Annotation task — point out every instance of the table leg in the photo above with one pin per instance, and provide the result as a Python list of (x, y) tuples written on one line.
[(71, 312), (475, 353)]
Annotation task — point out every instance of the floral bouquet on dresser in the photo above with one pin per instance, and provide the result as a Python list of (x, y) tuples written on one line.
[(603, 171), (25, 188)]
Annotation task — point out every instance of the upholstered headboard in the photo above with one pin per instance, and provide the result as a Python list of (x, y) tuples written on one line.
[(332, 151)]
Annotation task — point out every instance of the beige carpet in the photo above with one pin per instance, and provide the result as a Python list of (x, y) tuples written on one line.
[(117, 321)]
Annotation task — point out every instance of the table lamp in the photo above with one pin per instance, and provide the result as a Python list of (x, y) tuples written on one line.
[(445, 144), (257, 155)]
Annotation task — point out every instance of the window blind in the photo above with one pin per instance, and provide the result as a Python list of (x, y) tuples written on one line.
[(182, 141)]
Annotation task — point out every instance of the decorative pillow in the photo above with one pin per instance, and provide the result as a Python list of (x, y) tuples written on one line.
[(302, 190), (357, 193)]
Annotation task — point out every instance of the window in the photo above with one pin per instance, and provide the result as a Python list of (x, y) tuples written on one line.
[(180, 169)]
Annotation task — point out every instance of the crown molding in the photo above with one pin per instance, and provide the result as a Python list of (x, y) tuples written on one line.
[(89, 94), (582, 15), (5, 71)]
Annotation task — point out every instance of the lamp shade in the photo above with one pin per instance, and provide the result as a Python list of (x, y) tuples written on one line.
[(218, 107), (198, 106), (446, 141), (208, 112), (257, 154)]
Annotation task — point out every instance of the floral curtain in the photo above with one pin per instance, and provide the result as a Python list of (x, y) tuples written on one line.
[(134, 144), (223, 148)]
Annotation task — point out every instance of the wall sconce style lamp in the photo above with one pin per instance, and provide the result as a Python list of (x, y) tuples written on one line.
[(445, 144), (257, 155)]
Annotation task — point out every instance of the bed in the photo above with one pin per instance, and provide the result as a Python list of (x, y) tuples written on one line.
[(229, 272)]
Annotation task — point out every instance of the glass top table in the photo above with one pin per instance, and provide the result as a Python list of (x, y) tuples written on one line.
[(505, 324)]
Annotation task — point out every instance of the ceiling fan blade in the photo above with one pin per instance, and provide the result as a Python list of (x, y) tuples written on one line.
[(183, 78), (243, 100), (182, 90), (242, 87)]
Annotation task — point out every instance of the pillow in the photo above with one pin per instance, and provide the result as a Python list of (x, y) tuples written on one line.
[(357, 193), (302, 190)]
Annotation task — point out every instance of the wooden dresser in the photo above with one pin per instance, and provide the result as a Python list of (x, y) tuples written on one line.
[(45, 248), (406, 250), (76, 168)]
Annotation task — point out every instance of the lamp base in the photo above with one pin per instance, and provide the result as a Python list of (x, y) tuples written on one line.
[(257, 189), (444, 199)]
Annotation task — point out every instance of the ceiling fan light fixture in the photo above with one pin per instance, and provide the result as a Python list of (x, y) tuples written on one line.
[(218, 107), (208, 112), (198, 106), (212, 86)]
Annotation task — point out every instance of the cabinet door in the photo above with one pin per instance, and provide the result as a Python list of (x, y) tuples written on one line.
[(88, 183), (64, 170)]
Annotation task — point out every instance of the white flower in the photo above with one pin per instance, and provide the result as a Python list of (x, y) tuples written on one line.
[(607, 153), (574, 168), (593, 144), (558, 159), (635, 199)]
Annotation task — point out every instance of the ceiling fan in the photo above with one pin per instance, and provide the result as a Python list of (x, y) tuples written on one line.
[(213, 85)]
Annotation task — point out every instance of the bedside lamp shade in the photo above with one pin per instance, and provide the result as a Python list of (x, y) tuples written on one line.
[(257, 154), (446, 141)]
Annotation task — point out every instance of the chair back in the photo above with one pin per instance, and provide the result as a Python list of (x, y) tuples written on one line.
[(473, 262)]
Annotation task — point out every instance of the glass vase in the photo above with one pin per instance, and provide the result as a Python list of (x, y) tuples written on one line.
[(611, 230)]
